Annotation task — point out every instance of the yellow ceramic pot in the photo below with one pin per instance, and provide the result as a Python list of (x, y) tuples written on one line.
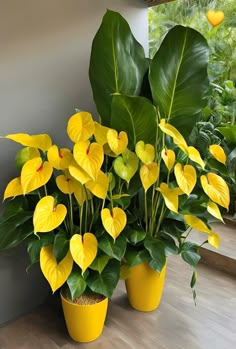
[(144, 287), (84, 322)]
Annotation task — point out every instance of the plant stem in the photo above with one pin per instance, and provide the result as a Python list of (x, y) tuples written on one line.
[(163, 209), (145, 210), (45, 189), (81, 219), (71, 214)]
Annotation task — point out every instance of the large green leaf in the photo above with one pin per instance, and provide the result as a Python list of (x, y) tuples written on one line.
[(36, 243), (76, 284), (105, 282), (156, 248), (136, 116), (190, 254), (133, 257), (99, 263), (12, 207), (229, 132), (115, 249), (178, 77), (117, 63), (61, 246), (15, 229)]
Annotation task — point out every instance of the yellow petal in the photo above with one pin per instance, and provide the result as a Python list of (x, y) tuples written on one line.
[(126, 165), (113, 221), (218, 152), (149, 174), (100, 133), (42, 141), (90, 157), (83, 249), (56, 274), (99, 187), (175, 134), (145, 152), (168, 156), (117, 142), (214, 240), (47, 216), (186, 177), (35, 174), (213, 209), (67, 184), (216, 188), (78, 173), (197, 223), (81, 194), (13, 188), (80, 127), (60, 159), (195, 156), (170, 196)]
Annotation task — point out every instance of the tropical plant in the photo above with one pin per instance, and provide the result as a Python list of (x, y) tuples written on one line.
[(193, 13), (158, 102), (63, 207)]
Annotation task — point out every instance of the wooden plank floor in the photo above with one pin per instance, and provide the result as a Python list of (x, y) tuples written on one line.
[(177, 324)]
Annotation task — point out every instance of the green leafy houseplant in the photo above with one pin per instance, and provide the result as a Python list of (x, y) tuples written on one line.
[(158, 102)]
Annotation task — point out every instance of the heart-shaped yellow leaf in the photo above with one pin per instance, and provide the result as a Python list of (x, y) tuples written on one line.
[(83, 249), (35, 174), (186, 177), (145, 152), (197, 223), (126, 165), (67, 184), (149, 174), (80, 127), (175, 134), (218, 152), (195, 156), (170, 196), (60, 159), (215, 17), (99, 187), (47, 216), (213, 209), (90, 157), (42, 141), (113, 221), (117, 142), (13, 188), (78, 173), (100, 133), (168, 156), (216, 188), (214, 240), (55, 273)]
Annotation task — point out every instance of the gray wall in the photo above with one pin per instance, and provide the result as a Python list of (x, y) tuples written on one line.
[(44, 56)]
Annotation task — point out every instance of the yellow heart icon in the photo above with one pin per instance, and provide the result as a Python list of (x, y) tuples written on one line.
[(215, 17), (83, 249)]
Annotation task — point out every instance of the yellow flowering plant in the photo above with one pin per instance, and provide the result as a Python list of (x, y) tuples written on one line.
[(63, 204), (158, 102)]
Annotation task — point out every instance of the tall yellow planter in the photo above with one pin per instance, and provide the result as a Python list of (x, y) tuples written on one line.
[(84, 322), (144, 287)]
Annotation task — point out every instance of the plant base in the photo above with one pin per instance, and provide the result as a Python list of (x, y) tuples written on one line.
[(144, 287), (84, 322)]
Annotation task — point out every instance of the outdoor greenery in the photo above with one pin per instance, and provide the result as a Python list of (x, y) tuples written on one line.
[(217, 120)]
